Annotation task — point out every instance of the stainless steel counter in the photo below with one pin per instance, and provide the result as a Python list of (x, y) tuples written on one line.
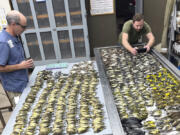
[(9, 126), (110, 104)]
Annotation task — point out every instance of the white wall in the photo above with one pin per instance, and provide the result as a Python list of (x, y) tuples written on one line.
[(5, 4)]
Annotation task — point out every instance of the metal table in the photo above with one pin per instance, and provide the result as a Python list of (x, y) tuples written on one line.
[(9, 126), (110, 104)]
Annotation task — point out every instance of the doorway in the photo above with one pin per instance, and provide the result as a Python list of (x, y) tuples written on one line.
[(125, 9)]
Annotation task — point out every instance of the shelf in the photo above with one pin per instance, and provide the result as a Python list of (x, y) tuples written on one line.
[(81, 39), (177, 31), (42, 16), (62, 41), (48, 42), (75, 13), (22, 1), (175, 56), (64, 14), (174, 33), (60, 14), (29, 17), (59, 18), (32, 43)]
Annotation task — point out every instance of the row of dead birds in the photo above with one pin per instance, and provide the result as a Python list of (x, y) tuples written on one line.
[(21, 118), (67, 106), (132, 90)]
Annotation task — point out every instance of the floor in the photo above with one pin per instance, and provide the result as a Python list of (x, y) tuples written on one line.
[(4, 102)]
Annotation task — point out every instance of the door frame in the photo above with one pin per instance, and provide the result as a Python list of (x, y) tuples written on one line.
[(139, 6)]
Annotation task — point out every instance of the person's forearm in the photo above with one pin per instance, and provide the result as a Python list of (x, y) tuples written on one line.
[(23, 65), (127, 45), (10, 68), (150, 42)]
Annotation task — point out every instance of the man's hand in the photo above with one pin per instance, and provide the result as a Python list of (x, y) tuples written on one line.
[(147, 48), (133, 51), (23, 65), (27, 64)]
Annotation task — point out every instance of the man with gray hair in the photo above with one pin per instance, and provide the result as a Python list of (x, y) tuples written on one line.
[(13, 66)]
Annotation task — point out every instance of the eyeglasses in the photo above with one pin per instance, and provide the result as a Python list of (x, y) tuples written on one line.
[(22, 26)]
